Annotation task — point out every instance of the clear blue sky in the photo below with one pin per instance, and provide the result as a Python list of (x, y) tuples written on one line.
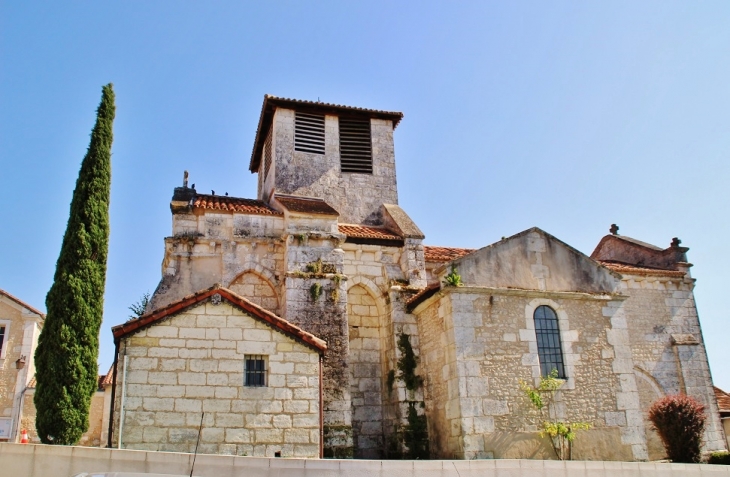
[(569, 116)]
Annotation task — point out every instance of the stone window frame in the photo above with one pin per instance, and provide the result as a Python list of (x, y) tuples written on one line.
[(567, 337), (545, 351), (4, 338), (256, 372)]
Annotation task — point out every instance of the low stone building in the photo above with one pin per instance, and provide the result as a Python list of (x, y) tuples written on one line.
[(20, 326), (427, 347), (216, 364)]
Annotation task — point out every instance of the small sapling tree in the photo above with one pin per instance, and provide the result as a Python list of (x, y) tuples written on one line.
[(542, 397)]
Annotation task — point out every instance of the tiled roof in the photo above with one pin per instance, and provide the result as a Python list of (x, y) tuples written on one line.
[(232, 204), (22, 303), (32, 383), (306, 205), (368, 232), (149, 319), (638, 270), (272, 102), (444, 254), (422, 296), (108, 378), (723, 399)]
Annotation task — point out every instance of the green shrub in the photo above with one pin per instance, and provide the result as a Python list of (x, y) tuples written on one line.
[(720, 458), (680, 421)]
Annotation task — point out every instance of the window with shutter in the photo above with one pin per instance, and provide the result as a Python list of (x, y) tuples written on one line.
[(309, 133), (355, 146), (267, 155)]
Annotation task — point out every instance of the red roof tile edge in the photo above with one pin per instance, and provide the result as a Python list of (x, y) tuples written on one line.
[(625, 268), (233, 204), (22, 303), (723, 399), (368, 231), (434, 253), (151, 318)]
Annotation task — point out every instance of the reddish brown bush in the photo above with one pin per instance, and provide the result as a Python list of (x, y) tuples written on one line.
[(680, 421)]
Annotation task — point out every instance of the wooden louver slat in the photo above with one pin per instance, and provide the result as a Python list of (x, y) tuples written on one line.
[(309, 133), (267, 155), (355, 146)]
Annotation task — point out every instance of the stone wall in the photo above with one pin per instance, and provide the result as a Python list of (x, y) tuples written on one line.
[(478, 344), (193, 363), (357, 197), (657, 308)]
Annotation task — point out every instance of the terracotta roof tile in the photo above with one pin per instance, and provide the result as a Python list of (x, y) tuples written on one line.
[(22, 303), (444, 254), (422, 296), (306, 205), (368, 232), (32, 383), (624, 268), (149, 319), (723, 399), (108, 378), (232, 204)]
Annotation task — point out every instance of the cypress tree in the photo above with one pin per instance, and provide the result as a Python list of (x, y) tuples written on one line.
[(68, 347)]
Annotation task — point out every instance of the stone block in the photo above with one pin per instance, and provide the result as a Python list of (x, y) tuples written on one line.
[(494, 407), (188, 378), (194, 353), (195, 333), (233, 419), (188, 405), (216, 405), (238, 436), (162, 377), (157, 404), (139, 363), (294, 436), (212, 435), (296, 406), (162, 331), (199, 391), (275, 436)]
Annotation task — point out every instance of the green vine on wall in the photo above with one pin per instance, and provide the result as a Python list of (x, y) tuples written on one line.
[(407, 363), (315, 291)]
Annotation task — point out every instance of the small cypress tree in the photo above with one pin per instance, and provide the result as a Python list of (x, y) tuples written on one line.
[(68, 347), (680, 422)]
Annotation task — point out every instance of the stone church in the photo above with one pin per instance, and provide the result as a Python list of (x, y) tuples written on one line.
[(313, 321)]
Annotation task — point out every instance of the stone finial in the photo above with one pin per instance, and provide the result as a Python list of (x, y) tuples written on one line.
[(676, 242), (613, 229), (185, 179)]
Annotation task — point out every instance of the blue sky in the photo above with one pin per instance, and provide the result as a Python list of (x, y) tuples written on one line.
[(568, 116)]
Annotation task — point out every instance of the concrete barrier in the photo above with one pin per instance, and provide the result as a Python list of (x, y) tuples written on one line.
[(28, 460)]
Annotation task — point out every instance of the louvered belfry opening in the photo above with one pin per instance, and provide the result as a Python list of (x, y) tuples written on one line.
[(267, 155), (356, 153), (309, 133)]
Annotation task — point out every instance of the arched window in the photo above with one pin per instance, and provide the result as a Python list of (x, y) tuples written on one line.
[(549, 348)]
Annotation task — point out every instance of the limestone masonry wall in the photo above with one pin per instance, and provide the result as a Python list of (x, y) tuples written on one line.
[(193, 363)]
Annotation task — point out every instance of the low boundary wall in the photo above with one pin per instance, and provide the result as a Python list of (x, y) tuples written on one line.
[(28, 460)]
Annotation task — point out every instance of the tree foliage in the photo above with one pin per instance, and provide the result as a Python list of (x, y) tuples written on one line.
[(561, 434), (680, 422), (138, 308), (68, 347)]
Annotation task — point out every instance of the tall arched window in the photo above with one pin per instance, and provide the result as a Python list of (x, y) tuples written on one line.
[(549, 348)]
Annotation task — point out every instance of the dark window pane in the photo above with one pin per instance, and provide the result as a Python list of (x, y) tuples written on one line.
[(549, 348)]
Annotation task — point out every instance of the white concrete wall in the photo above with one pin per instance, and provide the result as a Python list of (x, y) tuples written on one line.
[(64, 461)]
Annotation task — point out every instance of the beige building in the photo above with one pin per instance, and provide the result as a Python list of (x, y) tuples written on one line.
[(216, 365), (413, 367), (20, 326)]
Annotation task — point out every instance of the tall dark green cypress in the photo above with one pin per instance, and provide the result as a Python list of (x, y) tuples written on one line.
[(68, 347)]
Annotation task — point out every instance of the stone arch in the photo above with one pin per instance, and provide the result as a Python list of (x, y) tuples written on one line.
[(649, 391), (371, 287), (365, 368), (254, 286)]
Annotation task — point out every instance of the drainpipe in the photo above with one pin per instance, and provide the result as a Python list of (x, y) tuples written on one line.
[(114, 388), (121, 404), (321, 410)]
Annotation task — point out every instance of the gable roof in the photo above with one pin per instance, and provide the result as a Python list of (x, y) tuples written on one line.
[(627, 269), (273, 102), (155, 316), (534, 260), (22, 303)]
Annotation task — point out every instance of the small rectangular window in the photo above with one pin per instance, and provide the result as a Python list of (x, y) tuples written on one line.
[(356, 153), (2, 340), (309, 133), (255, 370)]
